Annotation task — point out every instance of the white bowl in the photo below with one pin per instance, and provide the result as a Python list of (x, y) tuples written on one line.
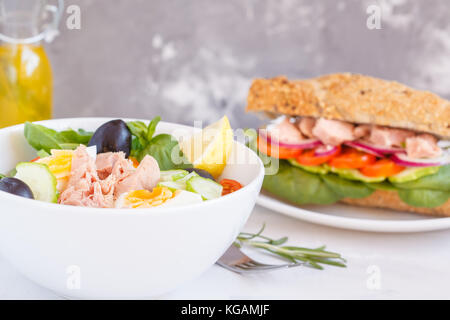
[(119, 253)]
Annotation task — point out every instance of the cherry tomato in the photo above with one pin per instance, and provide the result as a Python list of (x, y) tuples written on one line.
[(351, 158), (277, 152), (230, 186), (382, 168), (308, 157)]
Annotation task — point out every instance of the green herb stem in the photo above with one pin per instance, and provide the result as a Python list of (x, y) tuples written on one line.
[(311, 257)]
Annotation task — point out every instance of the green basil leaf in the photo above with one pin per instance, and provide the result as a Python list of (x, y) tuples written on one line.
[(165, 149), (424, 198), (137, 128), (40, 137), (43, 154), (152, 127), (69, 146), (75, 137), (46, 139)]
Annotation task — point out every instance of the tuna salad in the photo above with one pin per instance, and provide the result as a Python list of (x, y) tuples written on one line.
[(120, 165)]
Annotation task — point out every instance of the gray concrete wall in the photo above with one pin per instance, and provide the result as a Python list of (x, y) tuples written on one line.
[(194, 59)]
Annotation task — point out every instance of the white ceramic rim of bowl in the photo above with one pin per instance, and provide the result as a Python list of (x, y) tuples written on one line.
[(154, 211)]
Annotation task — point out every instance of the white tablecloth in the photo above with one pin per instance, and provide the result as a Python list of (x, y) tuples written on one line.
[(380, 266)]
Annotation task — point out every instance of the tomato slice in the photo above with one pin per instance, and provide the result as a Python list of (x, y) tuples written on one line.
[(382, 168), (308, 157), (229, 186), (277, 152), (352, 159)]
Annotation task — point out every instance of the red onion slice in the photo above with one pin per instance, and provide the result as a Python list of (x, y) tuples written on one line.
[(404, 160), (305, 144), (373, 149), (326, 150)]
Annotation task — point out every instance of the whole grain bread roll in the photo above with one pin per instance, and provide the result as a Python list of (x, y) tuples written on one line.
[(353, 98), (358, 99), (391, 200)]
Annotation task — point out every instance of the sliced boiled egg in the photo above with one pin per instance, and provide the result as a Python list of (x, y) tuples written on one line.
[(183, 198), (159, 197), (59, 163)]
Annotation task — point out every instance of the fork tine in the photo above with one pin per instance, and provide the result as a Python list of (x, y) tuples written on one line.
[(235, 260)]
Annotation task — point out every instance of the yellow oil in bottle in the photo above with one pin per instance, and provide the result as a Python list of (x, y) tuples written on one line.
[(25, 84)]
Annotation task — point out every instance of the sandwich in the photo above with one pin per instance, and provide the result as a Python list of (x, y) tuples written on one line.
[(355, 139)]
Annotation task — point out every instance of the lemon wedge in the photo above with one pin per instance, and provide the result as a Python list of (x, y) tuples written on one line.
[(210, 148)]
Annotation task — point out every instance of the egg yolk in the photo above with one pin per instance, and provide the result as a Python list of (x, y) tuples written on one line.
[(59, 163), (147, 199)]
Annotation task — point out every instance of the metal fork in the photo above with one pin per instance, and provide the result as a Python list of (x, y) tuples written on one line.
[(235, 260)]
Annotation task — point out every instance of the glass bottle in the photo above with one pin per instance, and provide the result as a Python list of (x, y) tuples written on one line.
[(25, 72)]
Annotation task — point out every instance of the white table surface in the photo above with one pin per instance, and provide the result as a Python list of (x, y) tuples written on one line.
[(411, 266)]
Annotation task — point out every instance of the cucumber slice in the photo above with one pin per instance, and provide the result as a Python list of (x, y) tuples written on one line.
[(411, 174), (207, 188), (172, 175), (313, 169), (354, 174), (178, 180), (172, 185), (40, 180), (187, 177)]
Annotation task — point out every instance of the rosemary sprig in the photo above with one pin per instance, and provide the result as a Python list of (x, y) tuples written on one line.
[(312, 257)]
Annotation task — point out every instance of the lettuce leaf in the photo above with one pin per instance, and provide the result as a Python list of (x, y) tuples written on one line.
[(424, 198), (299, 186), (440, 181), (302, 187), (346, 188)]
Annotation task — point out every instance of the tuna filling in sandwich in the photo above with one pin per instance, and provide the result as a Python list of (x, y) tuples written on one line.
[(355, 139)]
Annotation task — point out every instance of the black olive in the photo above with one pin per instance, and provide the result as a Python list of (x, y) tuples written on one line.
[(201, 173), (112, 136), (17, 187)]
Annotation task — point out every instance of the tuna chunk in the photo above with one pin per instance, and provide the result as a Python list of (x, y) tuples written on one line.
[(286, 132), (146, 176), (362, 131), (93, 197), (333, 132), (306, 126), (422, 146), (83, 171), (83, 187), (388, 137), (106, 161)]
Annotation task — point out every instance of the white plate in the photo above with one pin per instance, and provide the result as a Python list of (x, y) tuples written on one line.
[(356, 218)]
